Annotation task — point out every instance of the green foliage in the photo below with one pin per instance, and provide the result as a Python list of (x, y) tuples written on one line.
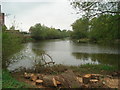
[(94, 68), (4, 28), (11, 43), (102, 28), (105, 28), (9, 82), (82, 69), (12, 28), (40, 32), (80, 28)]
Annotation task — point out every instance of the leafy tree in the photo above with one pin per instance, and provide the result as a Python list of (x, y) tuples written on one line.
[(39, 32), (91, 9), (4, 28), (80, 28)]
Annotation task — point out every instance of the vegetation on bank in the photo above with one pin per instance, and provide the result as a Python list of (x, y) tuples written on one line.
[(99, 22), (41, 32), (81, 70), (9, 82), (11, 43), (102, 28)]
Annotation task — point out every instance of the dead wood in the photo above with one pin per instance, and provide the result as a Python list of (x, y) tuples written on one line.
[(68, 80), (49, 81), (39, 82), (27, 75), (86, 78), (33, 77)]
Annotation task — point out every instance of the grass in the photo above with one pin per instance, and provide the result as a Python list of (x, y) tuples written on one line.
[(94, 68), (9, 82), (83, 69)]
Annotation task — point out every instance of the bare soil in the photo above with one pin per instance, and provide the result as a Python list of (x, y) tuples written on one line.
[(106, 81)]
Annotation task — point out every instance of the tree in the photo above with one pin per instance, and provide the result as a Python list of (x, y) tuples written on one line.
[(12, 28), (105, 27), (39, 31), (4, 28), (91, 9), (80, 28)]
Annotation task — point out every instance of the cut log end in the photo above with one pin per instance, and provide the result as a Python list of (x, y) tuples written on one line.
[(58, 83), (54, 82), (93, 80), (86, 78), (39, 82)]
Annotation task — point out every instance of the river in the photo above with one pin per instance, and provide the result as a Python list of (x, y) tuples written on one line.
[(64, 52)]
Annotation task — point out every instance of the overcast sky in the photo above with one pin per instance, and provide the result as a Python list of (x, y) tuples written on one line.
[(52, 13)]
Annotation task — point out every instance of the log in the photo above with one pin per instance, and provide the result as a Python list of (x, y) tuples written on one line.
[(58, 83), (93, 80), (95, 76), (27, 75), (68, 80), (79, 79), (39, 82), (33, 77), (48, 63), (54, 82), (39, 76), (49, 81), (86, 78)]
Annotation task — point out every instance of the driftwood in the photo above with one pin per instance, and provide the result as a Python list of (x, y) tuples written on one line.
[(47, 63)]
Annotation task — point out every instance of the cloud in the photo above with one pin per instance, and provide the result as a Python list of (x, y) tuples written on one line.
[(56, 14)]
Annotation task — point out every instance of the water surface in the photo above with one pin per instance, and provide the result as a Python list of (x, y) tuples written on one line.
[(64, 52)]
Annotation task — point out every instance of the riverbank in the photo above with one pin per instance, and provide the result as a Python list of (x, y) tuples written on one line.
[(17, 80), (10, 82)]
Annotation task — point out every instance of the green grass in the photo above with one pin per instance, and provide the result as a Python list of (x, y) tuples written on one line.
[(9, 82), (83, 69), (94, 68)]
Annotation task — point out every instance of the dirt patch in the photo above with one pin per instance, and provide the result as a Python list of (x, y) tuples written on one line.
[(67, 79)]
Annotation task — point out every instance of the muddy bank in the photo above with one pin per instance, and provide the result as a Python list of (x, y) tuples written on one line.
[(68, 79)]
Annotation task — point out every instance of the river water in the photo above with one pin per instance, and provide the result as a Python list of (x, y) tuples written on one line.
[(64, 52)]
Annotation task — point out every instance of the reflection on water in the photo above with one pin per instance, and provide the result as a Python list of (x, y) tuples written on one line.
[(64, 52), (110, 59)]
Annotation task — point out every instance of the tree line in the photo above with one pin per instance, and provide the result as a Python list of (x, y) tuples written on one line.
[(105, 27), (40, 32), (100, 20)]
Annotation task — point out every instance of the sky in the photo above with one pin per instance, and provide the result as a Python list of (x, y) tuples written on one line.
[(58, 14)]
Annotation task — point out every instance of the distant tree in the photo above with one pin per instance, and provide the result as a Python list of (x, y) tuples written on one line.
[(12, 28), (4, 28), (39, 31)]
